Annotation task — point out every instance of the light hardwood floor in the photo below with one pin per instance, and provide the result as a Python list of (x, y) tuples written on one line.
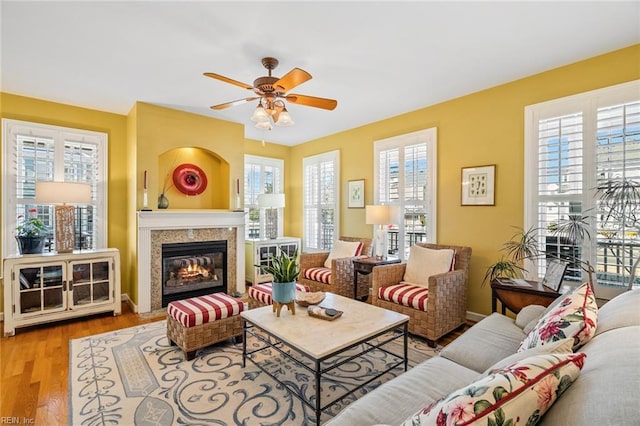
[(35, 365)]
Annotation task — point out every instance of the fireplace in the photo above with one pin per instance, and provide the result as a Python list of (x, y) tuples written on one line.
[(193, 269), (157, 228)]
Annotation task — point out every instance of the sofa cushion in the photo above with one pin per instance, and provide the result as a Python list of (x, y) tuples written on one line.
[(606, 392), (575, 316), (529, 314), (517, 394), (424, 262), (621, 311), (342, 249), (322, 275), (564, 346), (497, 332), (406, 294), (396, 399)]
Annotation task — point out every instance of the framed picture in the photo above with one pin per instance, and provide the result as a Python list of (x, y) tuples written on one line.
[(356, 194), (478, 185)]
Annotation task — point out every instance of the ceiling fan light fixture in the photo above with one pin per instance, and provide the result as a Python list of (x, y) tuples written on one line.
[(271, 91), (264, 125), (259, 115), (284, 118)]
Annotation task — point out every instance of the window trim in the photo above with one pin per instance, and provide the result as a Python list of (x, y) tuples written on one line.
[(333, 156), (430, 137), (10, 128), (275, 163), (587, 103)]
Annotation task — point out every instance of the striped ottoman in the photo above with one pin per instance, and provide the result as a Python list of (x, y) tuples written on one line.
[(260, 294), (198, 322)]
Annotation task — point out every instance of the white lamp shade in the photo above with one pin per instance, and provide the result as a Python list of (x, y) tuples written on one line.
[(381, 215), (63, 193), (259, 115), (271, 201), (284, 119)]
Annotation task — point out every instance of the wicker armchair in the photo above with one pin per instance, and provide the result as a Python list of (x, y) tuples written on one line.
[(446, 303), (340, 280)]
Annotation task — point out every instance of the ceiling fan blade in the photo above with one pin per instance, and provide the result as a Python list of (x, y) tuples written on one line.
[(293, 78), (234, 103), (312, 101), (228, 80)]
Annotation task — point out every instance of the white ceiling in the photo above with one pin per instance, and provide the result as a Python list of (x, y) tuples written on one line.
[(378, 59)]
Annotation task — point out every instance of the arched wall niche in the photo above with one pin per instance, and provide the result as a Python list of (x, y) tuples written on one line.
[(216, 169)]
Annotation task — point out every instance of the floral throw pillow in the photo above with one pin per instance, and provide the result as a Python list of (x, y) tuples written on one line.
[(518, 394), (575, 316)]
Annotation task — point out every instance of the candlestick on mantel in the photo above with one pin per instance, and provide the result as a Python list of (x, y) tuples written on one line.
[(238, 186), (146, 180)]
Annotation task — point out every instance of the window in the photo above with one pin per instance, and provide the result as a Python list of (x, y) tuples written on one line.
[(321, 200), (36, 152), (405, 176), (574, 146), (262, 175)]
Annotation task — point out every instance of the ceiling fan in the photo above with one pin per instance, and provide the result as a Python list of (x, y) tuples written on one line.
[(271, 92)]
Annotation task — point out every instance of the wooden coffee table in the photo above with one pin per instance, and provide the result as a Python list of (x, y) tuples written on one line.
[(315, 342)]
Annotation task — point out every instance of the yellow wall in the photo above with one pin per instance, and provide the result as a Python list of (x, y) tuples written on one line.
[(486, 127), (115, 126), (482, 128), (161, 130)]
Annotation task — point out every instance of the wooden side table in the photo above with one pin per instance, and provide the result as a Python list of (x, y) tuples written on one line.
[(515, 297), (364, 266)]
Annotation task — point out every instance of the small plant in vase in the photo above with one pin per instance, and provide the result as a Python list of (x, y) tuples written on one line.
[(285, 270), (30, 233)]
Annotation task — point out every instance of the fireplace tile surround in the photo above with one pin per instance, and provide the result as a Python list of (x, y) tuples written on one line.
[(158, 227)]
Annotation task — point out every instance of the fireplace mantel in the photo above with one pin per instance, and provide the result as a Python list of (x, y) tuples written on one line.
[(190, 221)]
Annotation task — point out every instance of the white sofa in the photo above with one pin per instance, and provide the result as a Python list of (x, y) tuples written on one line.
[(605, 393)]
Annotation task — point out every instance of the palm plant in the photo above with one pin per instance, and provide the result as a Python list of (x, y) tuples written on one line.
[(620, 207), (523, 245), (283, 268)]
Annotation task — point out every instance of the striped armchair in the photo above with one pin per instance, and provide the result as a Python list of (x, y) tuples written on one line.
[(339, 278), (433, 311)]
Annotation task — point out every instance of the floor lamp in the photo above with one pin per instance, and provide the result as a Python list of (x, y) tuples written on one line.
[(271, 202), (381, 216), (62, 194)]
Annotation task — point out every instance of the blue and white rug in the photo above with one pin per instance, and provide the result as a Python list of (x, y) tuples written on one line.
[(134, 376)]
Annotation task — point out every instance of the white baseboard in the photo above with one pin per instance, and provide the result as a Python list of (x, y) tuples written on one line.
[(125, 298), (474, 316)]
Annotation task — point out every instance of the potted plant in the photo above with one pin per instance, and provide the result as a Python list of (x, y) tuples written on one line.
[(522, 245), (284, 270), (30, 233)]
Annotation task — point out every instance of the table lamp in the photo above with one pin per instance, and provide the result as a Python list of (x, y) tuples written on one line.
[(271, 202), (380, 215), (61, 194)]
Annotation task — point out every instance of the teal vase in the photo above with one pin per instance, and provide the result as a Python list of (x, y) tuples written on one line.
[(283, 292)]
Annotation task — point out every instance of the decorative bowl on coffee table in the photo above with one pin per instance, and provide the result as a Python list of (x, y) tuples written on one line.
[(312, 298)]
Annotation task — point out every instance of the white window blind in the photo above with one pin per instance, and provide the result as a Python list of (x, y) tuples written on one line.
[(575, 147), (35, 152), (405, 170), (617, 157), (262, 175), (321, 200)]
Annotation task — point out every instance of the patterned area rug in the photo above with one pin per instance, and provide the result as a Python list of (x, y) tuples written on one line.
[(134, 376)]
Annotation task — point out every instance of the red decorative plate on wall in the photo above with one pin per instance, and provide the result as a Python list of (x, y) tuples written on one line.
[(189, 179)]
